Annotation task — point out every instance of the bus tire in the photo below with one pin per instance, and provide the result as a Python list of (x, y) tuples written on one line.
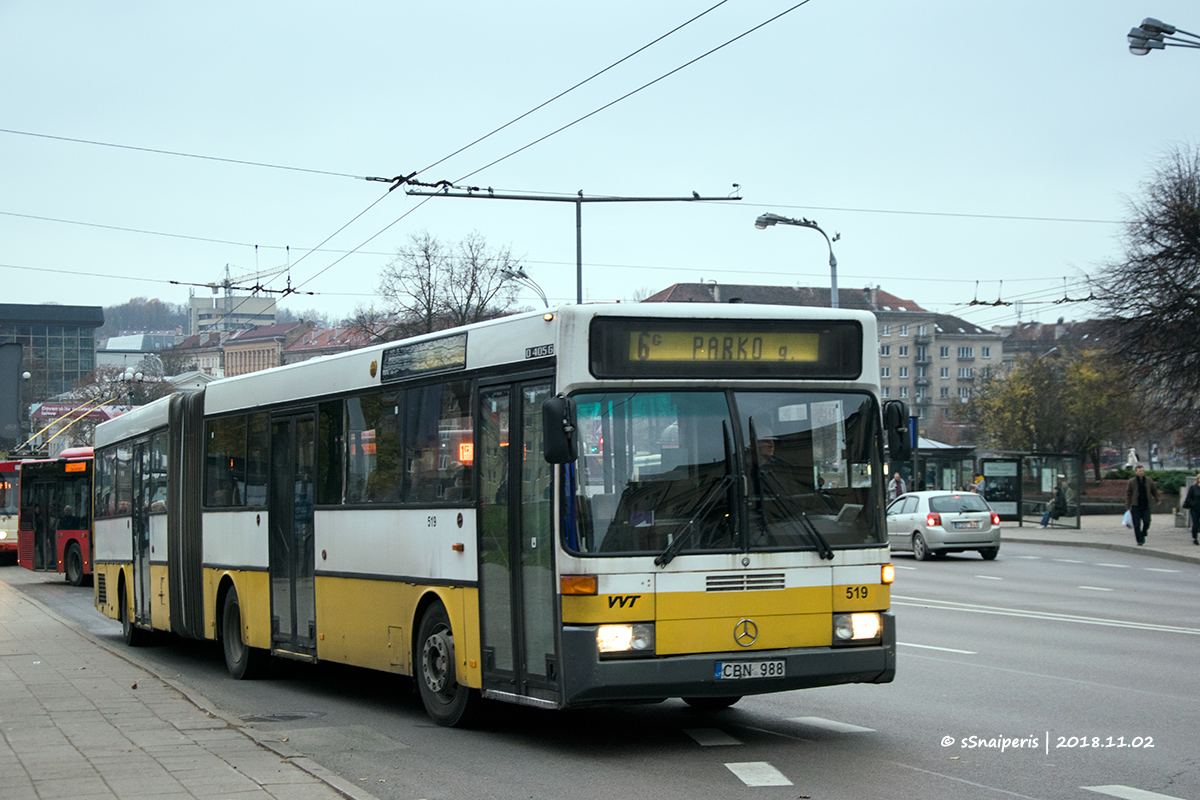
[(243, 661), (710, 703), (446, 700), (134, 636), (73, 561)]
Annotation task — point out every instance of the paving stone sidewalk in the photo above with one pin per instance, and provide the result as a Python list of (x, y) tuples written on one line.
[(78, 721)]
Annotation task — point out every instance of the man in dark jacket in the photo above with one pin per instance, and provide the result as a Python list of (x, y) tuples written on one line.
[(1138, 496)]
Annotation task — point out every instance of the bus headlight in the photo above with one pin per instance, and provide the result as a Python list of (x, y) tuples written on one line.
[(629, 639), (3, 534), (860, 628)]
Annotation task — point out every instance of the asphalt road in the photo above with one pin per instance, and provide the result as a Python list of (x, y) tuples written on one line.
[(1036, 675)]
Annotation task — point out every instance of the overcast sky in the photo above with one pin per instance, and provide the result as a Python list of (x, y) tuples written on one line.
[(962, 150)]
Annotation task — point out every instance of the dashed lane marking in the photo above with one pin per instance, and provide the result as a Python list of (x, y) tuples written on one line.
[(1095, 588), (830, 724), (1159, 569), (711, 737), (943, 649), (1129, 793), (758, 773), (989, 577), (1118, 566)]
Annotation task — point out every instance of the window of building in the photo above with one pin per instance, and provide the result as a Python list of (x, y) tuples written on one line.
[(945, 392), (966, 372), (885, 372), (944, 372), (903, 391), (921, 330), (966, 352), (920, 372), (904, 372), (904, 330), (904, 351), (885, 392), (885, 330), (919, 392), (945, 352), (885, 350), (964, 392), (985, 352)]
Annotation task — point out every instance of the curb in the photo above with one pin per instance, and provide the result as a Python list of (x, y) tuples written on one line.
[(1120, 548)]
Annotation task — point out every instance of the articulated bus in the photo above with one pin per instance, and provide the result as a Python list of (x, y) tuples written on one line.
[(55, 532), (9, 475), (598, 504)]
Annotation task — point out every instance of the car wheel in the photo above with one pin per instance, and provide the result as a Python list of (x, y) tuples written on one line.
[(989, 553), (919, 548), (446, 700)]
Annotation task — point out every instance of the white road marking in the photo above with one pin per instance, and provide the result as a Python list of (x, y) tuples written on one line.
[(1159, 569), (901, 566), (1031, 558), (1095, 588), (830, 724), (946, 605), (710, 737), (758, 773), (989, 577), (1129, 793), (1068, 561), (943, 649), (1118, 566)]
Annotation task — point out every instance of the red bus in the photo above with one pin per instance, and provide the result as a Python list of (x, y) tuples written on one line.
[(55, 515), (8, 509)]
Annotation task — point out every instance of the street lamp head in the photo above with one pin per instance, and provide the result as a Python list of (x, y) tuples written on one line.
[(1154, 26), (765, 220)]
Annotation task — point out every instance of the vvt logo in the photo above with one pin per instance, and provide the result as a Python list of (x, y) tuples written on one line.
[(623, 600)]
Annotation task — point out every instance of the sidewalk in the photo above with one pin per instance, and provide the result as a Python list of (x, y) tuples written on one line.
[(77, 720), (1105, 532)]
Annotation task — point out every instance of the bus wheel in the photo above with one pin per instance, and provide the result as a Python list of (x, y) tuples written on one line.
[(74, 562), (242, 661), (447, 701), (134, 636), (710, 703)]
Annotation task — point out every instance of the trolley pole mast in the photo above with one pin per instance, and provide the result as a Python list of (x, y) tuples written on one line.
[(578, 199)]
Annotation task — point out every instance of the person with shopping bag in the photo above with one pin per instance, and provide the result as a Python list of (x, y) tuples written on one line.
[(1138, 495)]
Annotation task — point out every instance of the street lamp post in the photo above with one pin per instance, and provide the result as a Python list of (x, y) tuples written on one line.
[(767, 220), (1155, 34)]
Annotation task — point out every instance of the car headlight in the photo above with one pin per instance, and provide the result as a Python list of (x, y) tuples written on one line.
[(859, 628), (635, 639)]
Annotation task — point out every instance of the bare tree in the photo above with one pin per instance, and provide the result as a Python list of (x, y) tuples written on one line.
[(429, 286), (1152, 296)]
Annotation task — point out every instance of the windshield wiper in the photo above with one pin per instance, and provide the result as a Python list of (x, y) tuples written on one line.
[(765, 480), (719, 487)]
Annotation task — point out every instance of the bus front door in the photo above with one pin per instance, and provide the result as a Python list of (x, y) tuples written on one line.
[(518, 602), (291, 549)]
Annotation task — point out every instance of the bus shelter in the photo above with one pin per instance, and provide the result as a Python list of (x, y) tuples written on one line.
[(1048, 488)]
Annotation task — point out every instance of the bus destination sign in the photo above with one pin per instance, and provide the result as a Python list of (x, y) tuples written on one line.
[(652, 345), (422, 358), (814, 349)]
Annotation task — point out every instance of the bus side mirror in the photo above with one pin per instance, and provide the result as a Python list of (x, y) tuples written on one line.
[(895, 426), (558, 430)]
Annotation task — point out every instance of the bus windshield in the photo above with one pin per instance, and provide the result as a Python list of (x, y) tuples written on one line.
[(730, 471)]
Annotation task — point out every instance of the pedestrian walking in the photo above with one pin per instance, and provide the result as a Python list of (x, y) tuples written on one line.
[(895, 487), (1191, 501), (1138, 494)]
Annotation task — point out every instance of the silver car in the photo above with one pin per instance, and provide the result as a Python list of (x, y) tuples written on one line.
[(931, 524)]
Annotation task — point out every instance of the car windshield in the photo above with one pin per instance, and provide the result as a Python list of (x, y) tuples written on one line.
[(957, 503), (730, 471)]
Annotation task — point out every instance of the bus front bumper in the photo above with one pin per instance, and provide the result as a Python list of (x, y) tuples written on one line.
[(589, 680)]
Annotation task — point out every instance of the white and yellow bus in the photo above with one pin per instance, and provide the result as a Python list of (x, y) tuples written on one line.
[(597, 504)]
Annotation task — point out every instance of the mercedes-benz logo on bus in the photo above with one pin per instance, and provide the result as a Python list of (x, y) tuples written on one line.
[(745, 633)]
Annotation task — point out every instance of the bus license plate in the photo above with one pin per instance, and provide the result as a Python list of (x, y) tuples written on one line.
[(967, 526), (733, 670)]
